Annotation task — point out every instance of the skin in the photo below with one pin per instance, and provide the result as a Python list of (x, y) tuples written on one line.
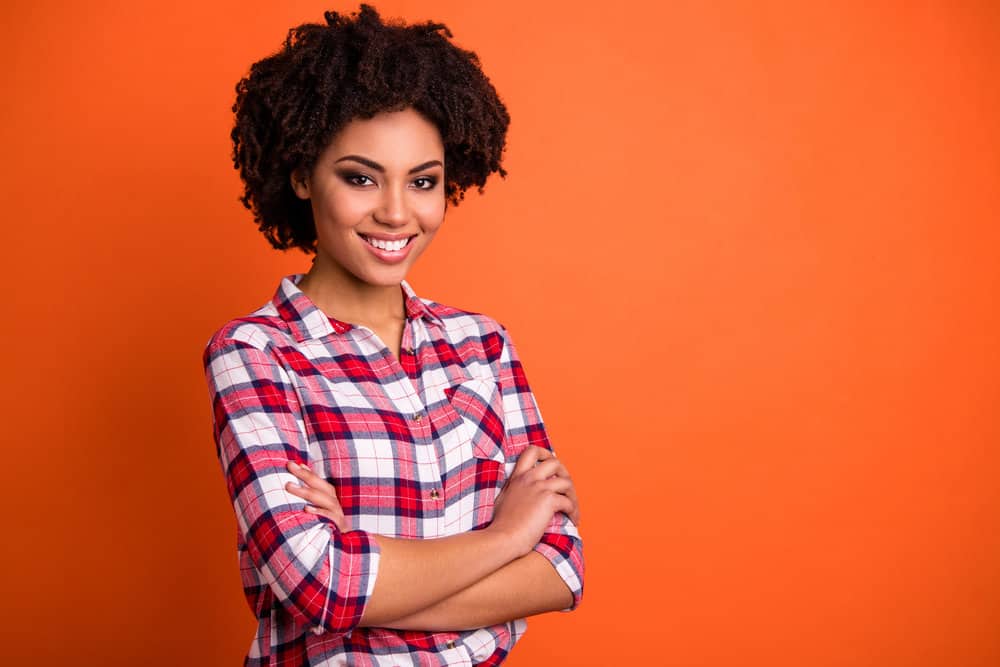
[(384, 176), (521, 588), (350, 199)]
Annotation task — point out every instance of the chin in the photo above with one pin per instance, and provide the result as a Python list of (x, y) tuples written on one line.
[(383, 278)]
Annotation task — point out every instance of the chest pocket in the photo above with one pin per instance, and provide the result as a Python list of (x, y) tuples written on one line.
[(479, 403)]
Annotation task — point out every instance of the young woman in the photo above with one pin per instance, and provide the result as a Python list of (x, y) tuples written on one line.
[(397, 499)]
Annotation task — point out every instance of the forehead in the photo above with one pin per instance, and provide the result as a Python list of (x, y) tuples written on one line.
[(390, 138)]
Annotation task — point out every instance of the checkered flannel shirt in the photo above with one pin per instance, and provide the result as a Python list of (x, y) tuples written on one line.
[(416, 448)]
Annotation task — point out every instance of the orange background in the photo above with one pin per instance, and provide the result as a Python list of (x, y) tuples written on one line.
[(749, 253)]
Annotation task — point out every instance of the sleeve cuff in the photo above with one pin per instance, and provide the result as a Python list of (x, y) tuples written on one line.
[(566, 555), (353, 560)]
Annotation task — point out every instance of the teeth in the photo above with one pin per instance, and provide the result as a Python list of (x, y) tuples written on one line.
[(391, 246)]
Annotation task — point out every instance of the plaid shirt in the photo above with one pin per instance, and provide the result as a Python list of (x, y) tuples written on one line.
[(416, 448)]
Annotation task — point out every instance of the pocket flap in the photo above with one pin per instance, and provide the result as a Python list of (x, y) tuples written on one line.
[(479, 403)]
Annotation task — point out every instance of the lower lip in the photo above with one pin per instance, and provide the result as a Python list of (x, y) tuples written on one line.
[(389, 256)]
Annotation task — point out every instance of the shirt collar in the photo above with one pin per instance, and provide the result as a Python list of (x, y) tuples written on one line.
[(307, 321), (415, 306)]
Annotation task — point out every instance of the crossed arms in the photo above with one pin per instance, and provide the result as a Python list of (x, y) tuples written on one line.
[(528, 560), (424, 586)]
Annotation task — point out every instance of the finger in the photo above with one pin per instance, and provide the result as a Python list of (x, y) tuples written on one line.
[(297, 469), (529, 457), (525, 461), (305, 493), (314, 481), (315, 496), (562, 471), (558, 484), (548, 468), (565, 487), (336, 517), (564, 504), (309, 477), (333, 515), (555, 466), (575, 515), (305, 473)]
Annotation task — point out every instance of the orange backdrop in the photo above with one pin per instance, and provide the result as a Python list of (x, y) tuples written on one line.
[(748, 250)]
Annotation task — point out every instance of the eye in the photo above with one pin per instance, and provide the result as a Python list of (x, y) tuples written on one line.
[(425, 182), (357, 179)]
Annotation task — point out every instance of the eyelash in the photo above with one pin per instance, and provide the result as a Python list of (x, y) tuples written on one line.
[(353, 179), (431, 182)]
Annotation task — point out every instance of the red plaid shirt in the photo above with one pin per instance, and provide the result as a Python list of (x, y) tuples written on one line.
[(416, 448)]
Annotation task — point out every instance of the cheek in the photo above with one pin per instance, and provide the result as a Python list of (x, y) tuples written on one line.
[(341, 209), (432, 214)]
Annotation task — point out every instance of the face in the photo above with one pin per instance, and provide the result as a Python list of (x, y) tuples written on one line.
[(377, 197)]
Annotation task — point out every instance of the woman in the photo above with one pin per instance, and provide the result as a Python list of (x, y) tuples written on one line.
[(397, 499)]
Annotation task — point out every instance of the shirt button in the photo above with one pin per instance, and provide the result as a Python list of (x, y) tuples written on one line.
[(408, 350), (434, 494), (417, 417), (450, 644)]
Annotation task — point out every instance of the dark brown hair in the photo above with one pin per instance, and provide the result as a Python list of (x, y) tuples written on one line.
[(291, 105)]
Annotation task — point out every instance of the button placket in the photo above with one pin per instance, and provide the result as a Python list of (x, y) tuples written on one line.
[(429, 476), (420, 425)]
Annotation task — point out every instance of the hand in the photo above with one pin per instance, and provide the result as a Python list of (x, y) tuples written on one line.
[(560, 471), (534, 492), (320, 493)]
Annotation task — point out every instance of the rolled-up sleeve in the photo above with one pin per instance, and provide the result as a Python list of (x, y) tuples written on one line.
[(322, 576), (561, 543)]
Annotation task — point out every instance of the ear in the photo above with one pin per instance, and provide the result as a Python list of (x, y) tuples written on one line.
[(300, 182)]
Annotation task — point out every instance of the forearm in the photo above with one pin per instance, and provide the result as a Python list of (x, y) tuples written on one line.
[(526, 586), (416, 574)]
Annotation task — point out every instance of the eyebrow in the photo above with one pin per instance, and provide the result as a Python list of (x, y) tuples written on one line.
[(371, 164)]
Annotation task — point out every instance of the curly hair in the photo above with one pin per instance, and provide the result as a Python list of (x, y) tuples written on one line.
[(291, 105)]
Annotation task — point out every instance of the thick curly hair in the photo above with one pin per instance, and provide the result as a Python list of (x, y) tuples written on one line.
[(291, 105)]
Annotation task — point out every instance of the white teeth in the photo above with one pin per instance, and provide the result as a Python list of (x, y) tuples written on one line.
[(391, 246)]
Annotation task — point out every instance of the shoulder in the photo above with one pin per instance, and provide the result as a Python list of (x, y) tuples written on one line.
[(464, 323), (261, 330), (465, 328)]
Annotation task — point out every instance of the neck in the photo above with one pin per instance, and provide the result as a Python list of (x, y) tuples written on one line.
[(342, 296)]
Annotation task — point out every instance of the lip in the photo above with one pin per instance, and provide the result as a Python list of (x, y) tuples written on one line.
[(389, 256)]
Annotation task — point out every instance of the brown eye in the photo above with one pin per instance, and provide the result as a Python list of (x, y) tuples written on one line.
[(425, 183), (357, 179)]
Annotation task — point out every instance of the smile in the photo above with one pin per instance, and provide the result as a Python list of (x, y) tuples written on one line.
[(390, 246)]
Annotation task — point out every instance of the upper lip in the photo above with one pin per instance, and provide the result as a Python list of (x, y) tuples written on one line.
[(386, 237)]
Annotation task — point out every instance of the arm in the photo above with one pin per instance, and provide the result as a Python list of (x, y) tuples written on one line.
[(321, 575), (528, 585), (524, 587), (548, 579), (327, 578), (418, 573), (560, 544)]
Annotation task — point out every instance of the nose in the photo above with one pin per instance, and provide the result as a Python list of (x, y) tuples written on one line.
[(392, 209)]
